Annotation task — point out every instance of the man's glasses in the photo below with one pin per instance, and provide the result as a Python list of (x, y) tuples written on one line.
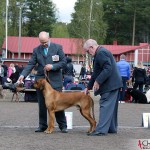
[(43, 43), (89, 49)]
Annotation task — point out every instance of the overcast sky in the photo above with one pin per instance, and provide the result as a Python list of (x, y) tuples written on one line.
[(65, 9)]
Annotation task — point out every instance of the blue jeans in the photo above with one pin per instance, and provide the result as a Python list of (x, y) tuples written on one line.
[(122, 92)]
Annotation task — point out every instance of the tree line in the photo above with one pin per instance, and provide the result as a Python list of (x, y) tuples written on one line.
[(126, 21)]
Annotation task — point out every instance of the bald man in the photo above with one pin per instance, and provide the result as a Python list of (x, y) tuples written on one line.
[(51, 57)]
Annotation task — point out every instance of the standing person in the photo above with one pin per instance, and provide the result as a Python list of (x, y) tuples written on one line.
[(105, 81), (1, 74), (82, 72), (68, 72), (5, 69), (51, 57), (124, 70), (139, 76)]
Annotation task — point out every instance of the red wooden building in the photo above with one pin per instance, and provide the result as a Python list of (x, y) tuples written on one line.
[(73, 48)]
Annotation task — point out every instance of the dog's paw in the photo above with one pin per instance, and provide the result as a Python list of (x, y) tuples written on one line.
[(48, 131), (90, 130)]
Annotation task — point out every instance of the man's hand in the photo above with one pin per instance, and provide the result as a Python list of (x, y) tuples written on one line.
[(48, 67), (96, 86)]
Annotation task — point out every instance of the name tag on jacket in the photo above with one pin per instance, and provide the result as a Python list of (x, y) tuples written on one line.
[(55, 58)]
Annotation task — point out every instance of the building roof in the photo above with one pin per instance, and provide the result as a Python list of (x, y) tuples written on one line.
[(119, 49), (70, 45)]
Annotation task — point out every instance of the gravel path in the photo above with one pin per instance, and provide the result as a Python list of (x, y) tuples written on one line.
[(19, 120)]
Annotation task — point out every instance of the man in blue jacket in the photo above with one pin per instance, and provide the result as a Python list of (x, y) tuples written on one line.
[(124, 70), (105, 81)]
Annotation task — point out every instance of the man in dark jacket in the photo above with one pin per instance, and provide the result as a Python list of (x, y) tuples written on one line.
[(51, 57), (82, 72), (105, 81)]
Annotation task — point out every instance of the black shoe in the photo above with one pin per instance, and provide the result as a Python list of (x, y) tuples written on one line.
[(95, 133), (64, 130), (112, 132), (40, 129)]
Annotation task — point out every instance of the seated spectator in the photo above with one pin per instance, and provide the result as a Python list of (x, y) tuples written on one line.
[(1, 74), (21, 68), (5, 69), (11, 69), (14, 76), (76, 85), (29, 80)]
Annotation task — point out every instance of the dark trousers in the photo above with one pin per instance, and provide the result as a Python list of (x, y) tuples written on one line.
[(108, 112), (123, 89), (60, 116), (138, 84), (1, 80)]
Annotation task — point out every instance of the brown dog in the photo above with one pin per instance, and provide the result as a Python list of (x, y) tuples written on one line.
[(56, 101), (18, 89)]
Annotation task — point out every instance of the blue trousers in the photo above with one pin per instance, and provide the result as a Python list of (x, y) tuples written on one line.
[(122, 92), (108, 112)]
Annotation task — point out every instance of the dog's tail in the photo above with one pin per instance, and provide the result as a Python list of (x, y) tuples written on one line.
[(92, 105)]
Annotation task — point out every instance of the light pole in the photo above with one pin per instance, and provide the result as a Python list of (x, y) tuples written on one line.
[(7, 3), (90, 18), (133, 33), (89, 31), (20, 21)]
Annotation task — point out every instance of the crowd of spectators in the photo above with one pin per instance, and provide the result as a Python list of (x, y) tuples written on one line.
[(10, 73), (139, 72), (136, 77)]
